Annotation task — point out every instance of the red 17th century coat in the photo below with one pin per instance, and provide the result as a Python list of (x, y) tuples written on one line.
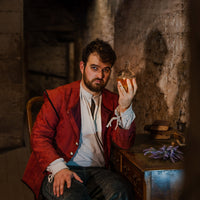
[(53, 138)]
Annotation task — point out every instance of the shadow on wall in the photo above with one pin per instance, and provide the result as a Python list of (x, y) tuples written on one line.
[(150, 102)]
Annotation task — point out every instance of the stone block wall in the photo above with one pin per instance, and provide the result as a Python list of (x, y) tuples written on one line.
[(46, 64), (52, 37), (100, 24), (152, 37), (12, 81)]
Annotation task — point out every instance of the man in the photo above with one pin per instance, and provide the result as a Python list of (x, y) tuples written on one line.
[(72, 135)]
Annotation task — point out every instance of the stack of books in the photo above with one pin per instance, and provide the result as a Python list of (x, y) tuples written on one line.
[(160, 129)]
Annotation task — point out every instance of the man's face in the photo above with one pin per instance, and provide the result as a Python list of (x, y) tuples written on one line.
[(95, 74)]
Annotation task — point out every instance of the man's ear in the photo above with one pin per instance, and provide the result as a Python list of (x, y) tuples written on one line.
[(82, 67)]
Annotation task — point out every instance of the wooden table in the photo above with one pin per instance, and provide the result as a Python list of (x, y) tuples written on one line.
[(151, 179)]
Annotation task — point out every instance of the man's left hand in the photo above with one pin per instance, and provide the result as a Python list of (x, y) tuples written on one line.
[(125, 98)]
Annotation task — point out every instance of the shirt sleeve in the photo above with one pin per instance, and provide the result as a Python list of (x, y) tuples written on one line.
[(56, 166), (126, 118)]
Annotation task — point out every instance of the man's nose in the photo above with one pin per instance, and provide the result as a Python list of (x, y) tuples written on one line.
[(100, 74)]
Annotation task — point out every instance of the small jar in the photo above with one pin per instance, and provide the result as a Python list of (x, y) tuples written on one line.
[(123, 75)]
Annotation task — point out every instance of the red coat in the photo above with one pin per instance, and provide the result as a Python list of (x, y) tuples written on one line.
[(52, 138)]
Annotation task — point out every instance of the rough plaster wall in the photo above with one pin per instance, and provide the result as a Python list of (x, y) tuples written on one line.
[(100, 24), (151, 35), (12, 82)]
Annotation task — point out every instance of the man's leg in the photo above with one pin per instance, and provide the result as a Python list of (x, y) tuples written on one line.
[(77, 191), (104, 184)]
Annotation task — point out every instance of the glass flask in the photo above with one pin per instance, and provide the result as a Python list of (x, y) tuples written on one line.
[(123, 75)]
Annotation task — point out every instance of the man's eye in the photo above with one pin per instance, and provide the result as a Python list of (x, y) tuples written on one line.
[(94, 68), (107, 70)]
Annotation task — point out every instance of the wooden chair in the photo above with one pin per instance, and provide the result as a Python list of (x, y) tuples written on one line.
[(32, 108)]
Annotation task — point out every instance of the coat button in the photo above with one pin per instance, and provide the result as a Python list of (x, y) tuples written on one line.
[(76, 143), (71, 153)]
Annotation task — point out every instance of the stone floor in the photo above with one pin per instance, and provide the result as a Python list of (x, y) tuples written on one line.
[(12, 165)]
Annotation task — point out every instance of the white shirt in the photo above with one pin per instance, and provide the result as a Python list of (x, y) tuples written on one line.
[(89, 153)]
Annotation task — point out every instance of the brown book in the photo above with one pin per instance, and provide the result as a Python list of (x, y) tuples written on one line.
[(160, 125)]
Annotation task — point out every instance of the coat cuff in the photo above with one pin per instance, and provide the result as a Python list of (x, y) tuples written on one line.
[(56, 166), (124, 119)]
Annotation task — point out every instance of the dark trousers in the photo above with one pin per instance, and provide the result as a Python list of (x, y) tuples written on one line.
[(98, 184)]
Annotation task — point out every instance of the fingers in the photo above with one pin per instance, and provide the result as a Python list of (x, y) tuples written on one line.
[(69, 180), (61, 189), (134, 85), (77, 177), (121, 89), (130, 87), (61, 178), (58, 187), (125, 98)]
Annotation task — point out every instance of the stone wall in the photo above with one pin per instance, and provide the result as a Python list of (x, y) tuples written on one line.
[(49, 33), (12, 82), (100, 24), (152, 37), (52, 37), (149, 35)]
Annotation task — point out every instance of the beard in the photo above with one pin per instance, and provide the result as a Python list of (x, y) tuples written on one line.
[(92, 86)]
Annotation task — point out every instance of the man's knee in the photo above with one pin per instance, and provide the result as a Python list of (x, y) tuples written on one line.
[(125, 193), (76, 191), (115, 186), (120, 189)]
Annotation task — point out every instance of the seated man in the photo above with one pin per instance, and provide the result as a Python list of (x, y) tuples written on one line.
[(71, 138)]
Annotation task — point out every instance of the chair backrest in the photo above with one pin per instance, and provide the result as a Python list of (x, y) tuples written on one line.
[(32, 108)]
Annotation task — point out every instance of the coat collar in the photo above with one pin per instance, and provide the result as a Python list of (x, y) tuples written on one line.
[(108, 106), (107, 96)]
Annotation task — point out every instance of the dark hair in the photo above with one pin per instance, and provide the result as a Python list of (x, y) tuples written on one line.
[(102, 48)]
